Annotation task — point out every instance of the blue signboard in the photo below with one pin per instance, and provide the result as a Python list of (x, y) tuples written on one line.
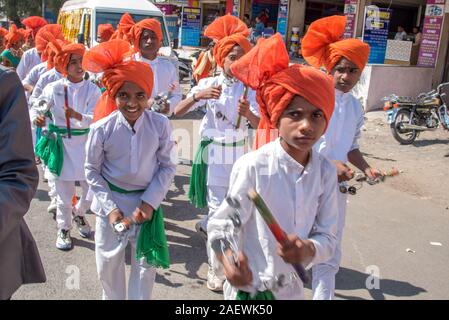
[(377, 21), (282, 19), (172, 26), (191, 26)]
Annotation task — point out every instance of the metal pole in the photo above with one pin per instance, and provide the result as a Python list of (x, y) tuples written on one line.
[(43, 9)]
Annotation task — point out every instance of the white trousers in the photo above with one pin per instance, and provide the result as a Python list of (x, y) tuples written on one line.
[(215, 196), (64, 194), (52, 192), (323, 283), (110, 259)]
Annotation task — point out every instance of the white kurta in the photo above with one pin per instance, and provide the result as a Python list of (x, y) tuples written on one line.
[(303, 200), (341, 137), (30, 58), (139, 158), (344, 128), (165, 74), (83, 97), (48, 77), (219, 123), (35, 73)]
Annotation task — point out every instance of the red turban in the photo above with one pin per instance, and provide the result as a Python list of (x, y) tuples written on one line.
[(46, 34), (150, 24), (64, 53), (323, 44), (3, 32), (265, 69), (51, 50), (110, 58), (227, 32), (105, 31), (124, 28), (34, 23), (15, 35)]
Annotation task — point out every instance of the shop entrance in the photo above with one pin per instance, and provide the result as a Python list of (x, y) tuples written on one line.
[(320, 9)]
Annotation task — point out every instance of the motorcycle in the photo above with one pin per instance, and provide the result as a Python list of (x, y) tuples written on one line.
[(408, 116)]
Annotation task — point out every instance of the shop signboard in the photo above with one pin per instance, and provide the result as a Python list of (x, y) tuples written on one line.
[(236, 8), (282, 19), (375, 32), (172, 26), (191, 26), (433, 23), (351, 8)]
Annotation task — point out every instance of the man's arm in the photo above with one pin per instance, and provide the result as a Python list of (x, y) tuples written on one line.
[(18, 173)]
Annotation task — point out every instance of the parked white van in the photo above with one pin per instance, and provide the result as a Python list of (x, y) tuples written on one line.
[(80, 18)]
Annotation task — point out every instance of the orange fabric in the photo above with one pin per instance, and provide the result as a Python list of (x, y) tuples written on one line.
[(124, 27), (34, 23), (150, 24), (46, 34), (51, 50), (64, 53), (203, 66), (227, 32), (105, 31), (111, 59), (3, 32), (265, 69), (15, 35), (323, 44)]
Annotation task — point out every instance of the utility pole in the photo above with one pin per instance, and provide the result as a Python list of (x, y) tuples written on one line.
[(43, 9)]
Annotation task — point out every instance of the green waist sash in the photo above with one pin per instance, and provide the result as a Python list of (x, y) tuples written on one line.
[(198, 179), (260, 295), (50, 147), (152, 241)]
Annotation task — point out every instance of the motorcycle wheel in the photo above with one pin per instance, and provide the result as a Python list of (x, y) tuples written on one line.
[(403, 136)]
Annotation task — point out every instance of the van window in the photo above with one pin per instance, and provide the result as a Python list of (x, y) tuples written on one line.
[(114, 18)]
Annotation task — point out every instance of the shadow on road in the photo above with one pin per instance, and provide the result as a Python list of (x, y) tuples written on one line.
[(426, 143), (42, 195), (348, 279), (83, 243)]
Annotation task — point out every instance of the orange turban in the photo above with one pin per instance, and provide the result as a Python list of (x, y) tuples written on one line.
[(227, 32), (105, 31), (265, 69), (124, 27), (150, 24), (15, 35), (110, 58), (323, 44), (51, 50), (47, 34), (64, 53), (34, 23)]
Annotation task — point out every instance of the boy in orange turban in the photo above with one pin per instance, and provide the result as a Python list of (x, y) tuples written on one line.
[(71, 101), (345, 60), (147, 38), (12, 54), (33, 56), (129, 168), (223, 138), (298, 184)]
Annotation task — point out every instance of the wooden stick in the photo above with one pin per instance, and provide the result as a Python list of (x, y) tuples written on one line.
[(274, 227), (239, 119), (67, 119)]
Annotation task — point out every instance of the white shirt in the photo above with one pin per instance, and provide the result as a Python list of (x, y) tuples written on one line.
[(165, 74), (400, 35), (35, 73), (302, 200), (219, 124), (82, 97), (45, 79), (30, 58), (132, 159), (344, 129)]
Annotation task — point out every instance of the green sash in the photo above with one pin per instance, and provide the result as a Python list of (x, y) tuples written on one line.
[(50, 147), (152, 241), (261, 295), (198, 180)]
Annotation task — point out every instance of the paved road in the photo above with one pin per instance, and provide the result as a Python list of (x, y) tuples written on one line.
[(382, 222)]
